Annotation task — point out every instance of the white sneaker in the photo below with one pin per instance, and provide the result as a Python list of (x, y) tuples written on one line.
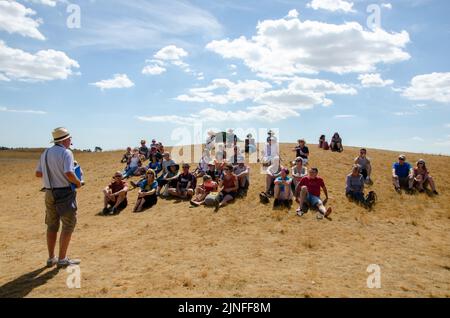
[(62, 263), (52, 262)]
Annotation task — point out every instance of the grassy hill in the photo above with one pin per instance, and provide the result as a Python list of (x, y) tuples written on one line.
[(245, 250)]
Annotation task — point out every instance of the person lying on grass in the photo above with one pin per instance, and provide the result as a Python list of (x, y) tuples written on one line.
[(202, 191), (115, 195), (185, 184), (229, 186), (422, 177), (308, 194), (147, 193), (283, 192)]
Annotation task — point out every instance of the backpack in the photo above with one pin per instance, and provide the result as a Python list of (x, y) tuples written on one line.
[(264, 198), (212, 198)]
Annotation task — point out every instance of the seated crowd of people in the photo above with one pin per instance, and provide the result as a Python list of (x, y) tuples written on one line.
[(225, 176)]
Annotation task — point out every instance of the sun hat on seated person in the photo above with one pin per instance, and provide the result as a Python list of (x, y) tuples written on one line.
[(212, 163), (60, 134)]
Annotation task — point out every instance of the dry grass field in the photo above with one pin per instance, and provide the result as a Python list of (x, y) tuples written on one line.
[(245, 250)]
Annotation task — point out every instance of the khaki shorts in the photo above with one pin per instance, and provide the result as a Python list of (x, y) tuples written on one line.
[(52, 218)]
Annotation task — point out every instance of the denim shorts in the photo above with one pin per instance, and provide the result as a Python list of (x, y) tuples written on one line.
[(312, 200)]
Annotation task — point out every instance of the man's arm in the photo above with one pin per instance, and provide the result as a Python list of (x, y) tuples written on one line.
[(325, 191), (73, 179), (394, 174), (39, 174)]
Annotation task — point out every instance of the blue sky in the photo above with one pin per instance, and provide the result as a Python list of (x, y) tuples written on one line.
[(152, 69)]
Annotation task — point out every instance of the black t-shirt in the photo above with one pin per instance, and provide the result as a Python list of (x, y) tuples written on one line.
[(183, 180), (302, 152)]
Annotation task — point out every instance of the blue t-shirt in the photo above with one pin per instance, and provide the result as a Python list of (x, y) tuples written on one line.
[(155, 166), (281, 185), (146, 187), (402, 171)]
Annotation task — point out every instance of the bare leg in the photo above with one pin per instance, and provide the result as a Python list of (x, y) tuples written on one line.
[(138, 203), (64, 241), (410, 182), (276, 194), (396, 182), (226, 200), (432, 184), (51, 243), (420, 182), (323, 209), (120, 198), (302, 197)]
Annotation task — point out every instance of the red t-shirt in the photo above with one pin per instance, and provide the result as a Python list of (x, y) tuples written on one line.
[(313, 185), (117, 186)]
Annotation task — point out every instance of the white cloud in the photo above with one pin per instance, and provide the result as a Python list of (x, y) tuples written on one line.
[(429, 87), (331, 5), (118, 81), (234, 92), (288, 47), (263, 113), (447, 125), (168, 55), (45, 65), (33, 112), (386, 6), (153, 70), (171, 53), (416, 138), (405, 113), (16, 18), (374, 80), (293, 14), (50, 3)]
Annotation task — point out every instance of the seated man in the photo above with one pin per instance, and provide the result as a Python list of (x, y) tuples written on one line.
[(115, 195), (402, 175), (241, 170), (272, 172), (202, 191), (147, 193), (308, 191), (283, 192), (143, 149), (364, 164), (298, 172), (186, 183)]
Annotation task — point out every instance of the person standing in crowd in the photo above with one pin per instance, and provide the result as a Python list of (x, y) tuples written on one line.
[(56, 168)]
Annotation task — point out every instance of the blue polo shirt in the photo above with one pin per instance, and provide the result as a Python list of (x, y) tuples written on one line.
[(402, 171)]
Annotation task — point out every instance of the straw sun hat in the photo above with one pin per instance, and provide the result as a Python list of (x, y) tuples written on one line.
[(60, 134)]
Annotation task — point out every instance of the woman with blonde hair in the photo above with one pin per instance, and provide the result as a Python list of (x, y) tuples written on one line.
[(147, 193)]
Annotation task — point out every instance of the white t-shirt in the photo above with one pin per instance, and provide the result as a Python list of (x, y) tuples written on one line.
[(59, 161)]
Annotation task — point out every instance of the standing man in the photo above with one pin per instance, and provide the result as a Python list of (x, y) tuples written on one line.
[(56, 168)]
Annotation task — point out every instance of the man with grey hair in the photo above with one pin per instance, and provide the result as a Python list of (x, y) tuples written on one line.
[(56, 168)]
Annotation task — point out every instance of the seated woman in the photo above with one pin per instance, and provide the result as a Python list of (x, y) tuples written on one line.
[(422, 177), (272, 172), (298, 172), (202, 191), (322, 141), (301, 150), (355, 185), (154, 164), (336, 143), (147, 193), (168, 180), (185, 185), (241, 170), (283, 192), (203, 164), (229, 186), (115, 195), (221, 153), (133, 164), (127, 155)]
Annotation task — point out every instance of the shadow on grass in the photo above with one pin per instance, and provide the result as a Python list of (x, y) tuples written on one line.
[(23, 285)]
